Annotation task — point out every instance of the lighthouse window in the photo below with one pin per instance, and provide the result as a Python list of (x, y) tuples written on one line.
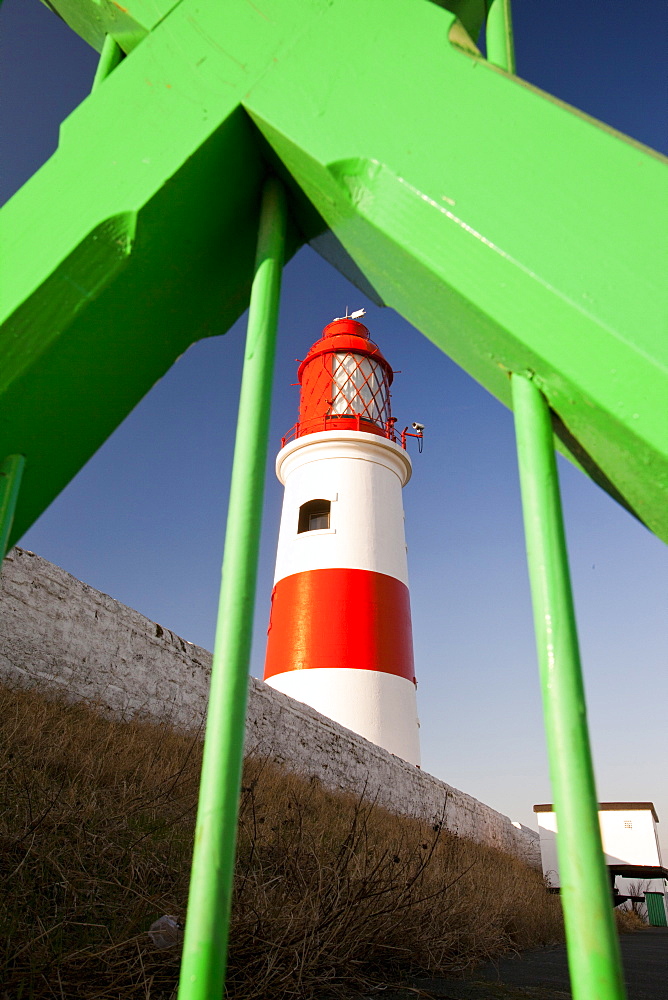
[(314, 515), (359, 388)]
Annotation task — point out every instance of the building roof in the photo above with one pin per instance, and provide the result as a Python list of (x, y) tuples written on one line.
[(638, 871), (609, 806)]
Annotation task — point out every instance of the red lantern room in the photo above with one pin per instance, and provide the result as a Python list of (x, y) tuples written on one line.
[(345, 383)]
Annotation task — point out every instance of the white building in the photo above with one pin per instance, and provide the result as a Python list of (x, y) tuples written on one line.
[(631, 848)]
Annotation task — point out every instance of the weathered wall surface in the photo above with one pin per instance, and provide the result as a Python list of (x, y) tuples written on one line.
[(60, 635)]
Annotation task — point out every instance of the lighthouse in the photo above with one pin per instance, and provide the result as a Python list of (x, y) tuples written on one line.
[(340, 635)]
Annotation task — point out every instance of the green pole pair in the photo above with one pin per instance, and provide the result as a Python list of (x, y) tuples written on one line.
[(207, 922)]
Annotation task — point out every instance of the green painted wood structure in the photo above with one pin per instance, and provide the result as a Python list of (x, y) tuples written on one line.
[(525, 239)]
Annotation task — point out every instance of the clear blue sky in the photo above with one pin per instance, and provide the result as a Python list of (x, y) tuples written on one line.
[(144, 520)]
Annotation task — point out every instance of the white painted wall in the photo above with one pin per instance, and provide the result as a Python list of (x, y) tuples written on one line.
[(358, 473), (629, 836), (381, 706), (547, 832), (637, 844), (60, 635)]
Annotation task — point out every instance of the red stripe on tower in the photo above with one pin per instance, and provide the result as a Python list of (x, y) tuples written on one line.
[(340, 633), (307, 610)]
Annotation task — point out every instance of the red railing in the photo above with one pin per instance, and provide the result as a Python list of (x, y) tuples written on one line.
[(350, 423)]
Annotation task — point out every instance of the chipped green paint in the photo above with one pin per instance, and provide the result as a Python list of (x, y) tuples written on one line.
[(126, 23)]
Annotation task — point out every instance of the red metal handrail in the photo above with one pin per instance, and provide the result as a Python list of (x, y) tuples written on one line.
[(354, 422), (335, 422)]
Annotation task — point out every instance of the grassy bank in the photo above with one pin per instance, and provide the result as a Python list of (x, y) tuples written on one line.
[(332, 893)]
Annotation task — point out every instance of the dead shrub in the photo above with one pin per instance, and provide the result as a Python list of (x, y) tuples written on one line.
[(628, 921), (332, 893)]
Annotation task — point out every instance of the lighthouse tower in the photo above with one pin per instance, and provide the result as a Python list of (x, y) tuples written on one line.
[(340, 629)]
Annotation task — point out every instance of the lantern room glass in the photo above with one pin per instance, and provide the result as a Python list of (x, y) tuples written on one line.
[(359, 388)]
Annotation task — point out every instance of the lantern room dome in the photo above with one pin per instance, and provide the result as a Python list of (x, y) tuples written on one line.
[(345, 335)]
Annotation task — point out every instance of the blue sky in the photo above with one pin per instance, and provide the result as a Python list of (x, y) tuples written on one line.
[(144, 520)]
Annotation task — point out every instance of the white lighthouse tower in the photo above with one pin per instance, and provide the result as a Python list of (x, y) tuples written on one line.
[(340, 634)]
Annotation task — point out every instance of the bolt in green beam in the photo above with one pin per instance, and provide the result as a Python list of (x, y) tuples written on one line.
[(110, 57), (593, 951), (11, 472), (499, 35), (207, 923)]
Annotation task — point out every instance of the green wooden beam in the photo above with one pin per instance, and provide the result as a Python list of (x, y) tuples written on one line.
[(127, 23), (130, 22), (515, 232)]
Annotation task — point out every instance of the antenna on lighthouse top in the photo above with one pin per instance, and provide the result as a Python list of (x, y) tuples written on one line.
[(356, 315)]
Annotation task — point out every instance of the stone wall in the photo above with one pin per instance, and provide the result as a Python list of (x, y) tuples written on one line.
[(60, 635)]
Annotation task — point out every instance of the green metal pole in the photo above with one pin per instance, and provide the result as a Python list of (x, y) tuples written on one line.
[(11, 472), (499, 35), (207, 924), (110, 56), (593, 949)]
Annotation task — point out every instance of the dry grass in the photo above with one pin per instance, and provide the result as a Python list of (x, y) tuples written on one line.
[(628, 921), (332, 894)]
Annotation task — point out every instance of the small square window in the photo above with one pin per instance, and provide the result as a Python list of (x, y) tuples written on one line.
[(628, 824)]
